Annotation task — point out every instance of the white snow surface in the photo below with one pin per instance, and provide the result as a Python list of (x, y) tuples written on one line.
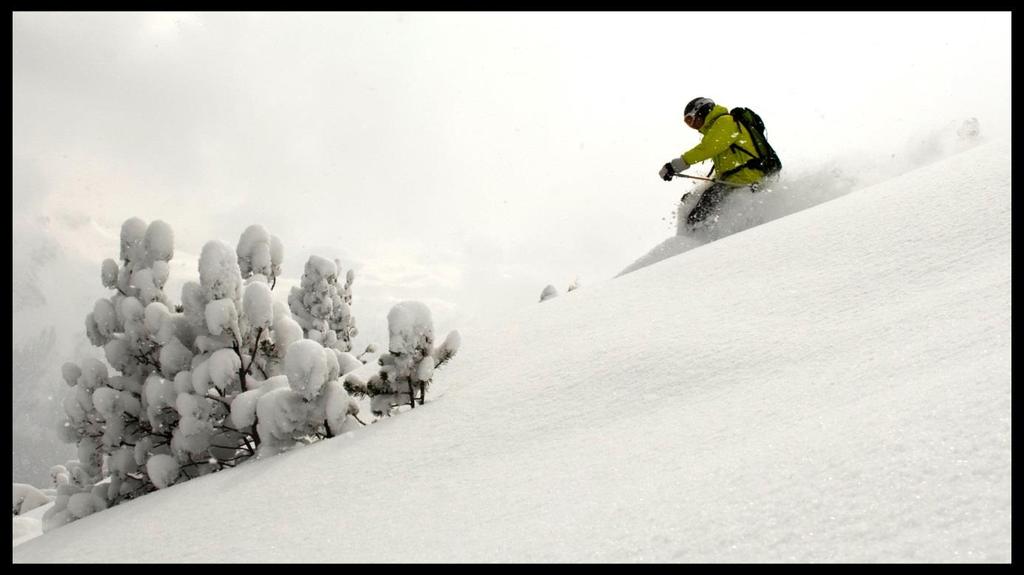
[(832, 386), (29, 525)]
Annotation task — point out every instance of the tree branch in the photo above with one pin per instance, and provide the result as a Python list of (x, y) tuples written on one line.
[(252, 360), (255, 433), (233, 459), (218, 398)]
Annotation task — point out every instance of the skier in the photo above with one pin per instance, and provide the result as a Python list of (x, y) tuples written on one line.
[(739, 159)]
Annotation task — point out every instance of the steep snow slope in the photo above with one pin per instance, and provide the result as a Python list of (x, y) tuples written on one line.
[(830, 386)]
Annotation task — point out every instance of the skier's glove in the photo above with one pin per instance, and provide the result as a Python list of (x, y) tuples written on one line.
[(679, 165), (666, 172)]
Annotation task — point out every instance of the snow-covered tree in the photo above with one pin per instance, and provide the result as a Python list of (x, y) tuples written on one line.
[(78, 496), (575, 285), (322, 307), (260, 253), (407, 369), (181, 391), (548, 292)]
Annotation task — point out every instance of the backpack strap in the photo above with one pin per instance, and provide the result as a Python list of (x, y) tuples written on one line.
[(709, 126), (765, 161), (740, 148), (755, 162), (737, 147)]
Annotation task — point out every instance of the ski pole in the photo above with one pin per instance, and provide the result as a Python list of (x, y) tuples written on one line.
[(711, 180)]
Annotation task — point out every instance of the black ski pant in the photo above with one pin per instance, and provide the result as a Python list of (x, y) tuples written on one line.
[(707, 203)]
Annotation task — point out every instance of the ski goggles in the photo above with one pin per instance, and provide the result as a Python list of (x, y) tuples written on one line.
[(693, 121)]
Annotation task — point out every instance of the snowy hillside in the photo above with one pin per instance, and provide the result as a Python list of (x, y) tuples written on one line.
[(833, 385)]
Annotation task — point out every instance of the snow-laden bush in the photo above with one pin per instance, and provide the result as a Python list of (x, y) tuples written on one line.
[(551, 291), (228, 374), (161, 410), (408, 368), (321, 307), (548, 292), (77, 495), (313, 403)]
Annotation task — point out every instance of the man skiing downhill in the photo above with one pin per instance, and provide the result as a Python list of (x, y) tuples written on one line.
[(741, 158)]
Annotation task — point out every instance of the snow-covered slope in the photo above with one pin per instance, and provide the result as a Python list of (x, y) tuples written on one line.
[(830, 386)]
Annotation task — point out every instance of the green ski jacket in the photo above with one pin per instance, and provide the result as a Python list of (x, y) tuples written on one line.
[(722, 135)]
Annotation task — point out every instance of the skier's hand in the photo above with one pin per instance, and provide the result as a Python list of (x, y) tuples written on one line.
[(666, 172), (679, 165)]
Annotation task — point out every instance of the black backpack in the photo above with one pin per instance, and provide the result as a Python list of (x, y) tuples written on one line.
[(766, 160)]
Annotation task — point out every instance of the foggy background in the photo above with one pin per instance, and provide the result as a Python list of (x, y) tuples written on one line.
[(465, 160)]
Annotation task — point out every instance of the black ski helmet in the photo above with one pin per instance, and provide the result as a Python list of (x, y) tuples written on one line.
[(697, 109)]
